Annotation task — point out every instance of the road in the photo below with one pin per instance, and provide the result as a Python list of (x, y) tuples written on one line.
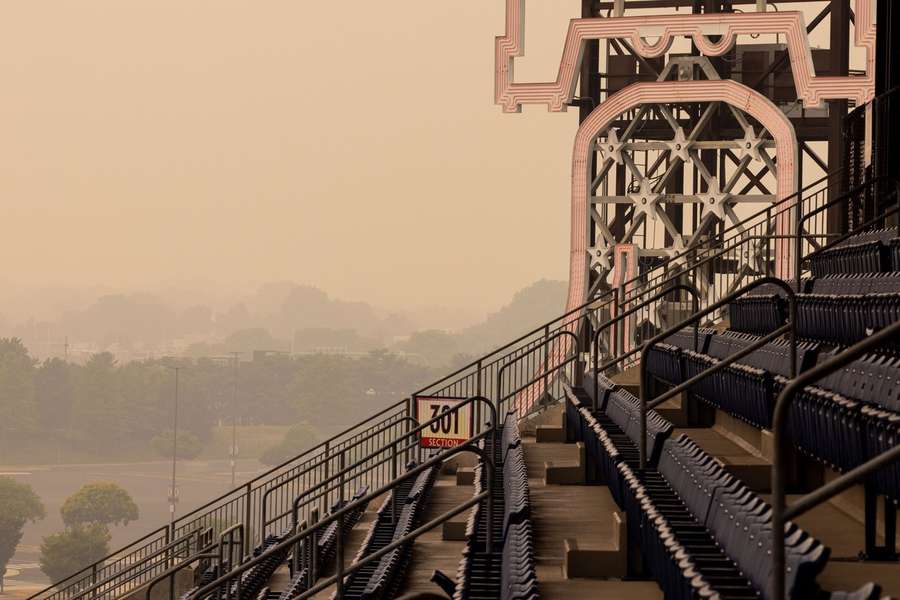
[(147, 482)]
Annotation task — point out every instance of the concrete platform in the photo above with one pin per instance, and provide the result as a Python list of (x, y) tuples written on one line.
[(844, 535), (432, 550), (740, 459), (582, 514)]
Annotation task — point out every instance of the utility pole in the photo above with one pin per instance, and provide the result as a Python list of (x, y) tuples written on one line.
[(173, 491), (234, 448)]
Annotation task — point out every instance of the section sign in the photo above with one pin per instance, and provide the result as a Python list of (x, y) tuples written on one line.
[(452, 428)]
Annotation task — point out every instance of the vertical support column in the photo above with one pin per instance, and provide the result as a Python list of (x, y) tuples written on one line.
[(839, 56), (339, 559), (887, 77)]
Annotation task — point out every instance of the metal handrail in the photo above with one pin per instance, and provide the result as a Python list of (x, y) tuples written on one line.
[(206, 553), (689, 254), (324, 461), (165, 550), (789, 328), (780, 511), (90, 569), (291, 540), (515, 360), (799, 229), (295, 505), (784, 203), (596, 341)]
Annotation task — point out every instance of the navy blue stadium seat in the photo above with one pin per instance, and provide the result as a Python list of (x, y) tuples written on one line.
[(704, 534)]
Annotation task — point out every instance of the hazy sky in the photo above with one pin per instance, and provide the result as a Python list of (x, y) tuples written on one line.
[(350, 145)]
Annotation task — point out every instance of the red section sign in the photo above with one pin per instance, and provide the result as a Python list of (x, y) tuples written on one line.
[(452, 428)]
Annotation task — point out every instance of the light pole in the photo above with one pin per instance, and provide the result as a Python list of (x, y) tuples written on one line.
[(234, 448), (173, 491)]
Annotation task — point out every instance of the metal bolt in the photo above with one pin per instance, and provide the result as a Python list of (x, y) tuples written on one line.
[(678, 146), (643, 201), (612, 148), (748, 145)]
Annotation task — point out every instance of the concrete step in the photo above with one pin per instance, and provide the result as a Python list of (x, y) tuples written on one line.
[(598, 560), (433, 549), (574, 525), (739, 459), (568, 471)]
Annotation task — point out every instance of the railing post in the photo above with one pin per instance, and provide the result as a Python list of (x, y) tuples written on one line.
[(546, 355), (478, 422), (767, 270), (314, 545), (248, 517), (339, 559), (411, 413), (170, 553), (299, 553), (620, 326), (327, 476), (394, 472)]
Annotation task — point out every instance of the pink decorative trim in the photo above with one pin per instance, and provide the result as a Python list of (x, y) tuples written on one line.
[(811, 89), (720, 90)]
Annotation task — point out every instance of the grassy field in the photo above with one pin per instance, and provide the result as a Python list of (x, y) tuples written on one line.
[(252, 440)]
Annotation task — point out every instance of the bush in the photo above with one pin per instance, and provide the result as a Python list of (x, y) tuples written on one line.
[(189, 445), (100, 503), (65, 553), (18, 505), (297, 439)]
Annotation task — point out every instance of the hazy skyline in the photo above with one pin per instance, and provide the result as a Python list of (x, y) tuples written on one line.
[(155, 142)]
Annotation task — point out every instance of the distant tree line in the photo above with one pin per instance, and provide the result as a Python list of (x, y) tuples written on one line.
[(102, 407)]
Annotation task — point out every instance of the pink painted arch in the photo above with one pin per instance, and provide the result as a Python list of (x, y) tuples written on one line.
[(723, 90)]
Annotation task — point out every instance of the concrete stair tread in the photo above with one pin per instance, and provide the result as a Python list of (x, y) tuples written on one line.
[(579, 512), (431, 551), (598, 588)]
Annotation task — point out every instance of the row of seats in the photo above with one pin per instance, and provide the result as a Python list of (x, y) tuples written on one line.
[(518, 580), (253, 580), (326, 548), (848, 417), (706, 535), (760, 375), (398, 512), (611, 434), (843, 420), (851, 310), (702, 533), (869, 252), (479, 572), (508, 571), (851, 416), (391, 568)]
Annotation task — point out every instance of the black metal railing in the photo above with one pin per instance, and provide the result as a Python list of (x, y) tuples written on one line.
[(781, 512), (294, 539), (526, 367), (789, 328)]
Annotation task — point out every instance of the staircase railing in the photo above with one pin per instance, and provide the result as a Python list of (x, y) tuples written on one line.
[(294, 539), (789, 328), (540, 357), (781, 512)]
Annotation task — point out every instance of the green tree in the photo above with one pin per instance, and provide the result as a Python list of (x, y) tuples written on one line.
[(189, 445), (297, 439), (99, 410), (69, 551), (17, 410), (100, 503), (18, 505)]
